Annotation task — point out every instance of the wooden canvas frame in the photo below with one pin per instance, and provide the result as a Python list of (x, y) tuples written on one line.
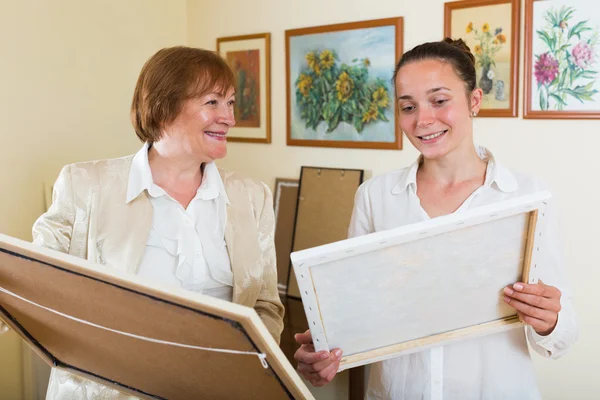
[(531, 59), (261, 42), (397, 23), (513, 84), (323, 211), (330, 263), (128, 304)]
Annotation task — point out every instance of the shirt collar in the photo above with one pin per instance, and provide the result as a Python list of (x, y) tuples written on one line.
[(212, 185), (140, 179), (140, 176), (495, 173)]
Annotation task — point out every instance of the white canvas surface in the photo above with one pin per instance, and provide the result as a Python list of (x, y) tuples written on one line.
[(433, 287), (444, 275)]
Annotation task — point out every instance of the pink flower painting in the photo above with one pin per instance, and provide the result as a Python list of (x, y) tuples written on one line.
[(566, 68)]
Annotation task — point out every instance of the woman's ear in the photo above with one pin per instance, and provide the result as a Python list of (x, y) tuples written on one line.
[(476, 100)]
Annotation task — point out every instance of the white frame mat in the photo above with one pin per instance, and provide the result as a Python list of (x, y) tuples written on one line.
[(351, 289)]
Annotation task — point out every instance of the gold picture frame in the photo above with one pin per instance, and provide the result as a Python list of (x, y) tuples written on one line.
[(561, 72), (491, 30), (338, 85), (250, 59)]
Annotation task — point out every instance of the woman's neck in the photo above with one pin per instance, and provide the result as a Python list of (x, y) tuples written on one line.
[(170, 165), (457, 166)]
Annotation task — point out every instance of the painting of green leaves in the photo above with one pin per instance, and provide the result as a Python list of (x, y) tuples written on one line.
[(339, 87), (563, 60)]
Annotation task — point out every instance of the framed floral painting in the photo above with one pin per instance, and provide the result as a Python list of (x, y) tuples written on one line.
[(491, 30), (562, 68), (339, 89), (250, 59)]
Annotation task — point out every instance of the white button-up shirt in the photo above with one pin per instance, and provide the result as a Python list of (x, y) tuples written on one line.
[(186, 246), (497, 366)]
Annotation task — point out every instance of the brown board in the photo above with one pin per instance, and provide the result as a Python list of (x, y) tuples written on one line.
[(130, 305), (285, 201), (325, 203)]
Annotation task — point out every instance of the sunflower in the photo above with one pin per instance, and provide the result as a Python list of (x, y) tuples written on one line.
[(327, 60), (470, 27), (478, 50), (304, 84), (313, 62), (501, 38), (486, 27), (344, 86), (371, 113), (380, 97), (311, 59)]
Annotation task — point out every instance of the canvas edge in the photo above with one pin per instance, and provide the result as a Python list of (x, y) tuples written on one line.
[(303, 260)]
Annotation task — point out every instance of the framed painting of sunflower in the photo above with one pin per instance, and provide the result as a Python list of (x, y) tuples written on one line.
[(562, 68), (491, 30), (339, 89)]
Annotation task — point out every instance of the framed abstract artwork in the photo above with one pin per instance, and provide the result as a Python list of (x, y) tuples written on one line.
[(339, 89), (561, 59), (491, 30), (250, 59)]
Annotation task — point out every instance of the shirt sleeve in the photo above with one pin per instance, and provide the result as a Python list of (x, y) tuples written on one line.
[(550, 270)]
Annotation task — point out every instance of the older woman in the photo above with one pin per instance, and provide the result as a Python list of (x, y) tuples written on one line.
[(168, 213)]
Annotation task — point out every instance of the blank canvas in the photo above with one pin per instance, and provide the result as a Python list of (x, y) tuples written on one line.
[(401, 290)]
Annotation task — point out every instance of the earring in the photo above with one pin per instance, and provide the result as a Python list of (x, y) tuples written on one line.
[(474, 113)]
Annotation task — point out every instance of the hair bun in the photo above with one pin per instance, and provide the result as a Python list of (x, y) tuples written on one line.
[(462, 46)]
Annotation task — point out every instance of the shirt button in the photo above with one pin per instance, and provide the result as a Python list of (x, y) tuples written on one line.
[(198, 254)]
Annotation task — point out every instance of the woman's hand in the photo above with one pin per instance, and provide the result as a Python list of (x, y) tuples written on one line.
[(318, 368), (537, 305)]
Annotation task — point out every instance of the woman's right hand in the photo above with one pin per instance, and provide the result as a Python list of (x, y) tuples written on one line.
[(318, 368)]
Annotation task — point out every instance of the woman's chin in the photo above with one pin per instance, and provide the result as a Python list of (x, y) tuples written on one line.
[(434, 153), (217, 154)]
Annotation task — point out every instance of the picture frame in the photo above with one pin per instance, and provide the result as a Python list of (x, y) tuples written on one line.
[(141, 337), (338, 84), (323, 211), (491, 29), (285, 203), (406, 300), (561, 69), (250, 59)]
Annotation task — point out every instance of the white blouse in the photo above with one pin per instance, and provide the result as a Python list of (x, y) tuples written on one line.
[(186, 246), (497, 366)]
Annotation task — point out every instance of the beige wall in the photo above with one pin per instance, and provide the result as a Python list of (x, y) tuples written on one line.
[(68, 69), (11, 380), (562, 153), (67, 73)]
